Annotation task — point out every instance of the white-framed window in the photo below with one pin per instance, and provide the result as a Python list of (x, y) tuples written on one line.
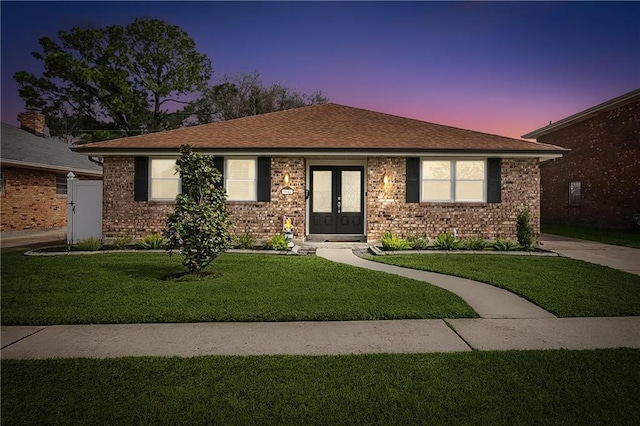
[(164, 179), (446, 180), (240, 179), (575, 193), (61, 184)]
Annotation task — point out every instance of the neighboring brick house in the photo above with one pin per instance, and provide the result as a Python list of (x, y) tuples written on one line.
[(598, 182), (33, 176), (340, 172)]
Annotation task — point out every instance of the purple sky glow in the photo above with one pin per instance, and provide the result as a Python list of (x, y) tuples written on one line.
[(505, 68)]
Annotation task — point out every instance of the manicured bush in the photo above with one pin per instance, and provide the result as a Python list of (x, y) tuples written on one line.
[(418, 242), (199, 224), (524, 230), (446, 241), (278, 242), (394, 243), (244, 241), (89, 244), (505, 245), (121, 241), (152, 242), (475, 244)]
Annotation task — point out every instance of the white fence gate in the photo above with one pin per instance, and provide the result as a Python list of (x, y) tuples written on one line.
[(84, 209)]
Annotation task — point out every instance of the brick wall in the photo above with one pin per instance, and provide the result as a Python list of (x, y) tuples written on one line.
[(605, 158), (386, 207), (123, 216), (29, 200), (388, 210)]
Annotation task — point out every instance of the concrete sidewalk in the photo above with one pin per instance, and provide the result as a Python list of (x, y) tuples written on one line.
[(317, 338), (618, 257), (487, 300)]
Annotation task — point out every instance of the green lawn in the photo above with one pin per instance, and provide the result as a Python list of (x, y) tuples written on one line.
[(127, 288), (492, 388), (607, 236), (564, 286)]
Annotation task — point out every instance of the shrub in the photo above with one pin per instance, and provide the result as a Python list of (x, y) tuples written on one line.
[(121, 241), (418, 242), (278, 242), (199, 224), (392, 242), (524, 230), (245, 241), (505, 245), (446, 241), (89, 244), (475, 244), (152, 242)]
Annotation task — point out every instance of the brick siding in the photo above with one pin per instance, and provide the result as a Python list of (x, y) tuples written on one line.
[(605, 159), (123, 216), (388, 210), (386, 207), (29, 200)]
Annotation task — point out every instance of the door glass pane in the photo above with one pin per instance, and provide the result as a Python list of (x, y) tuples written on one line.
[(351, 191), (321, 191)]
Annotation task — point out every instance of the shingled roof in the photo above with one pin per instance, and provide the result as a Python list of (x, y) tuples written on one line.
[(23, 149), (323, 127)]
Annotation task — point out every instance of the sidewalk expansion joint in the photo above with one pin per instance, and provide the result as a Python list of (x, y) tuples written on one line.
[(22, 338), (458, 334)]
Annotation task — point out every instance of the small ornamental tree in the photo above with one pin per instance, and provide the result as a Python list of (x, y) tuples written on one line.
[(524, 230), (199, 224)]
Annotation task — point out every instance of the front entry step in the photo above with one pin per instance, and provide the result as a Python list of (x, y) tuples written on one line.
[(336, 238)]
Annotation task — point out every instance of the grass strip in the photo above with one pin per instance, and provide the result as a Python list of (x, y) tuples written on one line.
[(128, 288), (606, 236), (563, 286), (497, 388)]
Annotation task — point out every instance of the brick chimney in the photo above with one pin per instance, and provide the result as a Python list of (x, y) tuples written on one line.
[(32, 121)]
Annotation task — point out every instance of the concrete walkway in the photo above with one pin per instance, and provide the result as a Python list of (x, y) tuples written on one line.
[(488, 301), (23, 240), (317, 338), (618, 257)]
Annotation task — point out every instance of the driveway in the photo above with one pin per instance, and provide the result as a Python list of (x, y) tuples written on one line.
[(624, 258)]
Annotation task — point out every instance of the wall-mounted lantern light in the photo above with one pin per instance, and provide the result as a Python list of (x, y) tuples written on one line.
[(385, 179), (287, 179)]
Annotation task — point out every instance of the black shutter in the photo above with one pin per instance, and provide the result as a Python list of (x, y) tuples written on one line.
[(218, 163), (494, 180), (413, 180), (264, 178), (141, 179)]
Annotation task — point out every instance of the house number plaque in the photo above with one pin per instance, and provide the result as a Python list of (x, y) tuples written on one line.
[(287, 191)]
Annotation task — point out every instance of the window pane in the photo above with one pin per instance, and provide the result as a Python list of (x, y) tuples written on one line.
[(470, 170), (241, 190), (470, 190), (241, 169), (164, 188), (436, 170), (321, 191), (163, 168), (61, 184), (436, 190), (574, 193), (351, 191)]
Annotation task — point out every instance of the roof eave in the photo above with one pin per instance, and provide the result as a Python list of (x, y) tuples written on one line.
[(324, 152), (584, 115), (47, 167)]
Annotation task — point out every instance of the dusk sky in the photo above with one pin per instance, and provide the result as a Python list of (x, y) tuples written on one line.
[(505, 68)]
